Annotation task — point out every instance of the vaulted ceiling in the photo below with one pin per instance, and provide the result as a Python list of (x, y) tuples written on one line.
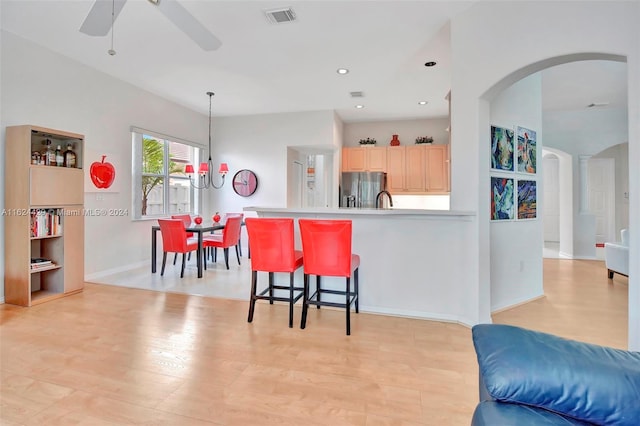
[(262, 67)]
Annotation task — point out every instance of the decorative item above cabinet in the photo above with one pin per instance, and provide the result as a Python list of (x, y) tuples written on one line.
[(367, 141), (424, 139)]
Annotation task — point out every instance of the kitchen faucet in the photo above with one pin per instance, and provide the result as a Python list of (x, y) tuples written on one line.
[(379, 196)]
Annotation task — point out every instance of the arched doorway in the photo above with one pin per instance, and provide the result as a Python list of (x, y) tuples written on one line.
[(558, 225), (502, 272)]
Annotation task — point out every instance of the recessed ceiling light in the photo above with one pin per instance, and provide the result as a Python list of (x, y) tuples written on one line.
[(429, 64), (422, 103), (342, 71), (359, 106)]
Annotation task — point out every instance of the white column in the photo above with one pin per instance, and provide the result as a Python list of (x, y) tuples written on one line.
[(584, 183)]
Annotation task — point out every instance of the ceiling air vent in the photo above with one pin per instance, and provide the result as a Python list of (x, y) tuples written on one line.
[(356, 94), (280, 16)]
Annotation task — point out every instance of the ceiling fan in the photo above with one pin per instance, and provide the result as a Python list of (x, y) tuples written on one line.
[(104, 12)]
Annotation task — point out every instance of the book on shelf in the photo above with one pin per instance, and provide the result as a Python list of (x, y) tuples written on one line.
[(46, 222), (41, 262), (37, 266)]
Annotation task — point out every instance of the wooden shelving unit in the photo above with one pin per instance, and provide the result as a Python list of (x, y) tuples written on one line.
[(43, 218)]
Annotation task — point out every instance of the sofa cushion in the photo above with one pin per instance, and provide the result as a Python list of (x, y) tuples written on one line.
[(592, 383), (624, 237), (493, 413), (616, 258)]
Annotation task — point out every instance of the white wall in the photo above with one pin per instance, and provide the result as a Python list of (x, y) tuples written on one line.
[(491, 51), (407, 131), (259, 143), (516, 246), (42, 88)]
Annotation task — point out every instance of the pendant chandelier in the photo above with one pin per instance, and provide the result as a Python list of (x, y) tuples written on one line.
[(205, 170)]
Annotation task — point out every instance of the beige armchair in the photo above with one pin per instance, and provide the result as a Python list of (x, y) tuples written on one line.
[(616, 255)]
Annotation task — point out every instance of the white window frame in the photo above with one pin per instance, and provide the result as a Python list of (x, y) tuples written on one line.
[(137, 135)]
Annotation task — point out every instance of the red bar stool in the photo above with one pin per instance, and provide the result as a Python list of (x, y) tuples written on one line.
[(271, 242), (174, 240), (326, 245)]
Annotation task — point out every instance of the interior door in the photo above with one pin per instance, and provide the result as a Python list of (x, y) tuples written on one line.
[(298, 179), (601, 190)]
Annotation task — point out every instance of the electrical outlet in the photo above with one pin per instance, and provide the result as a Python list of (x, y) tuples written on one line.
[(99, 197), (522, 266)]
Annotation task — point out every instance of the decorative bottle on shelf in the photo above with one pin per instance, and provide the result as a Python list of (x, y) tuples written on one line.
[(395, 141), (59, 156), (48, 154), (69, 157)]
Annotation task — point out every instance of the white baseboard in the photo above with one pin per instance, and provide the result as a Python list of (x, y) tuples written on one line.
[(417, 314), (1, 300), (564, 255), (514, 304), (585, 258), (107, 272)]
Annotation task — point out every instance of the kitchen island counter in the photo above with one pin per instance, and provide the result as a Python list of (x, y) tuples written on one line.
[(412, 261), (363, 212)]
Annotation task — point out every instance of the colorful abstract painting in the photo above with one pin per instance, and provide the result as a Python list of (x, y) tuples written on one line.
[(502, 198), (527, 199), (502, 147), (526, 150)]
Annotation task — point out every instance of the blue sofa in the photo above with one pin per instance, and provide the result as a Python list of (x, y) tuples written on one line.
[(533, 378)]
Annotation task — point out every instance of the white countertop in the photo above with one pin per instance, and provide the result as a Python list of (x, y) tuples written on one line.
[(360, 212)]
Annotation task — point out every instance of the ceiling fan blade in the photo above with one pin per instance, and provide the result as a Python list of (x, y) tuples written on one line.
[(188, 24), (98, 21)]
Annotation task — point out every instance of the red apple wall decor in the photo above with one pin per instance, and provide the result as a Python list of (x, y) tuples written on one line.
[(102, 173), (216, 217)]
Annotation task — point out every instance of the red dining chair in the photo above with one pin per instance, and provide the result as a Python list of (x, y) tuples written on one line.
[(239, 246), (186, 219), (271, 240), (229, 237), (174, 240), (326, 245)]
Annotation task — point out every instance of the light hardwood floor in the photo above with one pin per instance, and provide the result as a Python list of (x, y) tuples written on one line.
[(114, 355)]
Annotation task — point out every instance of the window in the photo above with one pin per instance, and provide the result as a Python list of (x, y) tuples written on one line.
[(160, 186)]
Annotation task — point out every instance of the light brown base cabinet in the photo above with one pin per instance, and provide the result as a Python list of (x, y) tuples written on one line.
[(44, 218)]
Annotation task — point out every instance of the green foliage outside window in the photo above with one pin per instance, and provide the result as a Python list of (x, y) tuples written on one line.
[(153, 167)]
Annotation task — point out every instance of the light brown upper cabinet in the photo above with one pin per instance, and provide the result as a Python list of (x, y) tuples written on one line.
[(437, 166), (396, 169), (418, 169), (364, 159)]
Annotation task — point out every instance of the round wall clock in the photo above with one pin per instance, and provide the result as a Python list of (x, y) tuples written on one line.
[(245, 182)]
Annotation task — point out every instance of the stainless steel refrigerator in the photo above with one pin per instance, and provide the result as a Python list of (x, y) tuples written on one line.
[(359, 190)]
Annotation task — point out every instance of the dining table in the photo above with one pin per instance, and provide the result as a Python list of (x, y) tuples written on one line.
[(198, 230)]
